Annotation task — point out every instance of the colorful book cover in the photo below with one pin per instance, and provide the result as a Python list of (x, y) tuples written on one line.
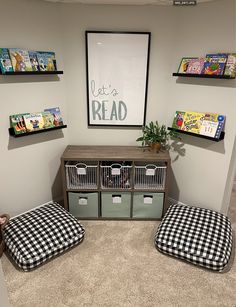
[(5, 61), (58, 121), (20, 59), (34, 60), (18, 123), (230, 68), (33, 121), (214, 64), (178, 120), (48, 119), (208, 124), (46, 60), (184, 65), (195, 66)]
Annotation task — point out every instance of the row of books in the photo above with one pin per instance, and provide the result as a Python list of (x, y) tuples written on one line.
[(208, 124), (15, 60), (29, 122), (211, 64)]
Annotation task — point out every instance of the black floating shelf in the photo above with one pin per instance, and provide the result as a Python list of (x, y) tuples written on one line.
[(222, 135), (12, 133), (14, 73), (202, 76)]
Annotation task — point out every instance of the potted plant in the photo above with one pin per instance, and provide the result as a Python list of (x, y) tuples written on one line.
[(156, 136)]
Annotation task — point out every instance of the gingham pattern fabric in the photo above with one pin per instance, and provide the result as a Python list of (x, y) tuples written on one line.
[(41, 234), (200, 236)]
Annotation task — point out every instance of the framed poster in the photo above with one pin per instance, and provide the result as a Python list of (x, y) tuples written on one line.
[(117, 77)]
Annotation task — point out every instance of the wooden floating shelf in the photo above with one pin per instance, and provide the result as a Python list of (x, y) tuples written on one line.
[(15, 73), (222, 135), (202, 76), (12, 133)]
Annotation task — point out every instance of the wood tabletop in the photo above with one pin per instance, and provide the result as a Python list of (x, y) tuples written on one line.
[(132, 153)]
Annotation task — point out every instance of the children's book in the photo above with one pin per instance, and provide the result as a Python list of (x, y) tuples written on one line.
[(208, 124), (214, 64), (230, 68), (57, 118), (48, 119), (195, 66), (18, 123), (46, 60), (20, 59), (34, 60), (184, 65), (178, 120), (33, 121), (5, 61)]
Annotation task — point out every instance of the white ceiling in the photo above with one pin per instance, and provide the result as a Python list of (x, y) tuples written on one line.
[(123, 2)]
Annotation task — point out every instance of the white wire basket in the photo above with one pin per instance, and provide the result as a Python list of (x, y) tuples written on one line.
[(80, 175), (150, 176), (115, 176)]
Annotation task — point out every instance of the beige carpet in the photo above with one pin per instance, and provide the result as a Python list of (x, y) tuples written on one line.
[(118, 265)]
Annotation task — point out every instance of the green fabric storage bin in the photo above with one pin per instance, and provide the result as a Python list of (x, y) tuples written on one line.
[(83, 204), (148, 205), (116, 205)]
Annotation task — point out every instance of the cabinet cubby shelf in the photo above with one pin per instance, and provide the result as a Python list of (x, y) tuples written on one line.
[(202, 76), (16, 73), (12, 133), (111, 199), (222, 135)]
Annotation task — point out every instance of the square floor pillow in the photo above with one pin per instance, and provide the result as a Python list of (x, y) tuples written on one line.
[(40, 234), (197, 235)]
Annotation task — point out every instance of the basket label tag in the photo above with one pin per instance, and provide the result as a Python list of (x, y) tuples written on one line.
[(147, 199), (81, 171), (115, 171), (150, 172), (116, 199), (83, 201)]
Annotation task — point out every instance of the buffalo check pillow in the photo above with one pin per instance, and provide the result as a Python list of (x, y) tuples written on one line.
[(40, 234), (200, 236)]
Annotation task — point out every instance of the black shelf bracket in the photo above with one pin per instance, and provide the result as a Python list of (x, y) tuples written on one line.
[(202, 76), (26, 73), (222, 135), (12, 132)]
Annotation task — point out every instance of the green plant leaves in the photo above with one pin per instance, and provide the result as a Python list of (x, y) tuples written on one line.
[(154, 133)]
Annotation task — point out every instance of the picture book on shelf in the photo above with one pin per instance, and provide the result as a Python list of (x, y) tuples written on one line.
[(33, 121), (18, 123), (58, 121), (207, 124), (214, 64), (46, 60), (34, 60), (20, 59), (5, 61), (195, 66), (184, 65), (48, 119), (230, 67)]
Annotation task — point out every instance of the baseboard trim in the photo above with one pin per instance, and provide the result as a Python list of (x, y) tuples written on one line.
[(173, 201)]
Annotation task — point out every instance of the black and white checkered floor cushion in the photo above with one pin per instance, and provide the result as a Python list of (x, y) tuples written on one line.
[(200, 236), (40, 234)]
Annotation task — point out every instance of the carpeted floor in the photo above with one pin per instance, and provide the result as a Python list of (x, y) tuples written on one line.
[(118, 265)]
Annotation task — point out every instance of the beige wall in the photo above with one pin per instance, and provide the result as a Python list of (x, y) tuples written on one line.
[(199, 177), (29, 168), (29, 173)]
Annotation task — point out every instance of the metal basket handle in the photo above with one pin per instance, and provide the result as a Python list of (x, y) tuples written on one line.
[(81, 168), (151, 166), (116, 165)]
